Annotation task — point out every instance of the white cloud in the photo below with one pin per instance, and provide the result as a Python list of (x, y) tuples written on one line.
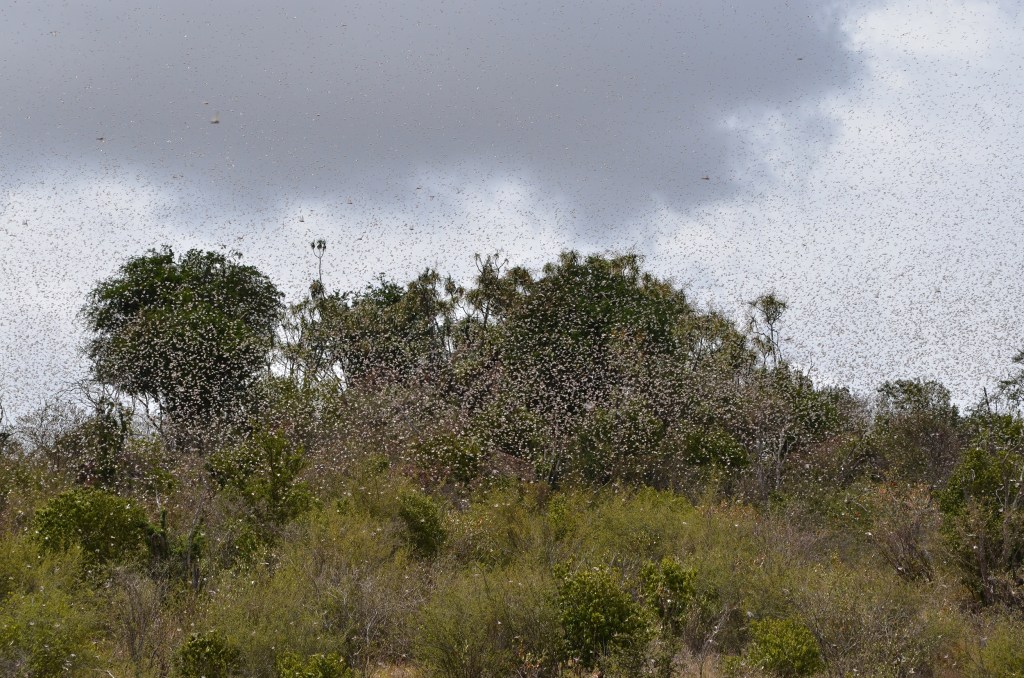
[(901, 248)]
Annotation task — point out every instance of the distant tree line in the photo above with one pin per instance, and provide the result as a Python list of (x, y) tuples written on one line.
[(590, 371)]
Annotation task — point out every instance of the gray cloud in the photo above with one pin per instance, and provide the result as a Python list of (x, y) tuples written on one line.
[(613, 106)]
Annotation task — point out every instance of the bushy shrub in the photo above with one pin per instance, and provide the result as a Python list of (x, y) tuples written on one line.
[(904, 521), (508, 427), (714, 447), (864, 618), (669, 588), (1003, 651), (490, 624), (336, 583), (207, 655), (291, 665), (264, 472), (424, 523), (617, 444), (451, 456), (784, 647), (46, 634), (500, 526), (598, 615), (983, 518), (108, 528)]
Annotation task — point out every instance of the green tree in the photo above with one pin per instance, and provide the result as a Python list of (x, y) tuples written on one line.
[(983, 509), (190, 334), (916, 435)]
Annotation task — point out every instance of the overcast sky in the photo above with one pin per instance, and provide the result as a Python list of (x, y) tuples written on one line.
[(862, 158)]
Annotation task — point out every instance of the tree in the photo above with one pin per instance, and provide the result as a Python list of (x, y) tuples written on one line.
[(189, 334), (916, 435), (766, 313), (563, 342)]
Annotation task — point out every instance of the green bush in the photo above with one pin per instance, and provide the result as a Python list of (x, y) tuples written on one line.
[(207, 655), (1003, 652), (617, 444), (264, 472), (108, 528), (670, 589), (332, 665), (501, 526), (509, 428), (598, 615), (784, 647), (424, 522), (45, 634), (715, 447), (451, 456), (983, 522), (501, 623)]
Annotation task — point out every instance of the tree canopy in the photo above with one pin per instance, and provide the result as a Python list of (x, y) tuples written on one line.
[(189, 333)]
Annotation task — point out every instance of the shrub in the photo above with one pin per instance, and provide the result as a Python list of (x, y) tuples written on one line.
[(714, 447), (784, 647), (45, 634), (508, 427), (904, 521), (617, 444), (1003, 652), (337, 583), (500, 526), (983, 521), (598, 616), (490, 624), (454, 457), (263, 472), (332, 665), (108, 528), (865, 619), (669, 588), (424, 522), (207, 655)]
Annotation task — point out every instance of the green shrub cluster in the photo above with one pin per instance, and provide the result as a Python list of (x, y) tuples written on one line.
[(784, 647), (291, 665), (208, 655), (108, 528), (424, 523), (599, 616), (263, 471)]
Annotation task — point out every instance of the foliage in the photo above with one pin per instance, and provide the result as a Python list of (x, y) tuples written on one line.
[(291, 665), (44, 634), (784, 647), (264, 472), (904, 521), (452, 456), (670, 589), (108, 528), (598, 615), (490, 624), (424, 523), (1003, 651), (612, 444), (189, 333), (402, 467), (207, 655), (917, 432), (983, 511), (95, 448)]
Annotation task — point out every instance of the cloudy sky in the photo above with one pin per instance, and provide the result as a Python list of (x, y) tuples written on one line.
[(861, 158)]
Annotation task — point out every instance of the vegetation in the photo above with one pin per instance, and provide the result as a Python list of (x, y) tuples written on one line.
[(575, 471)]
